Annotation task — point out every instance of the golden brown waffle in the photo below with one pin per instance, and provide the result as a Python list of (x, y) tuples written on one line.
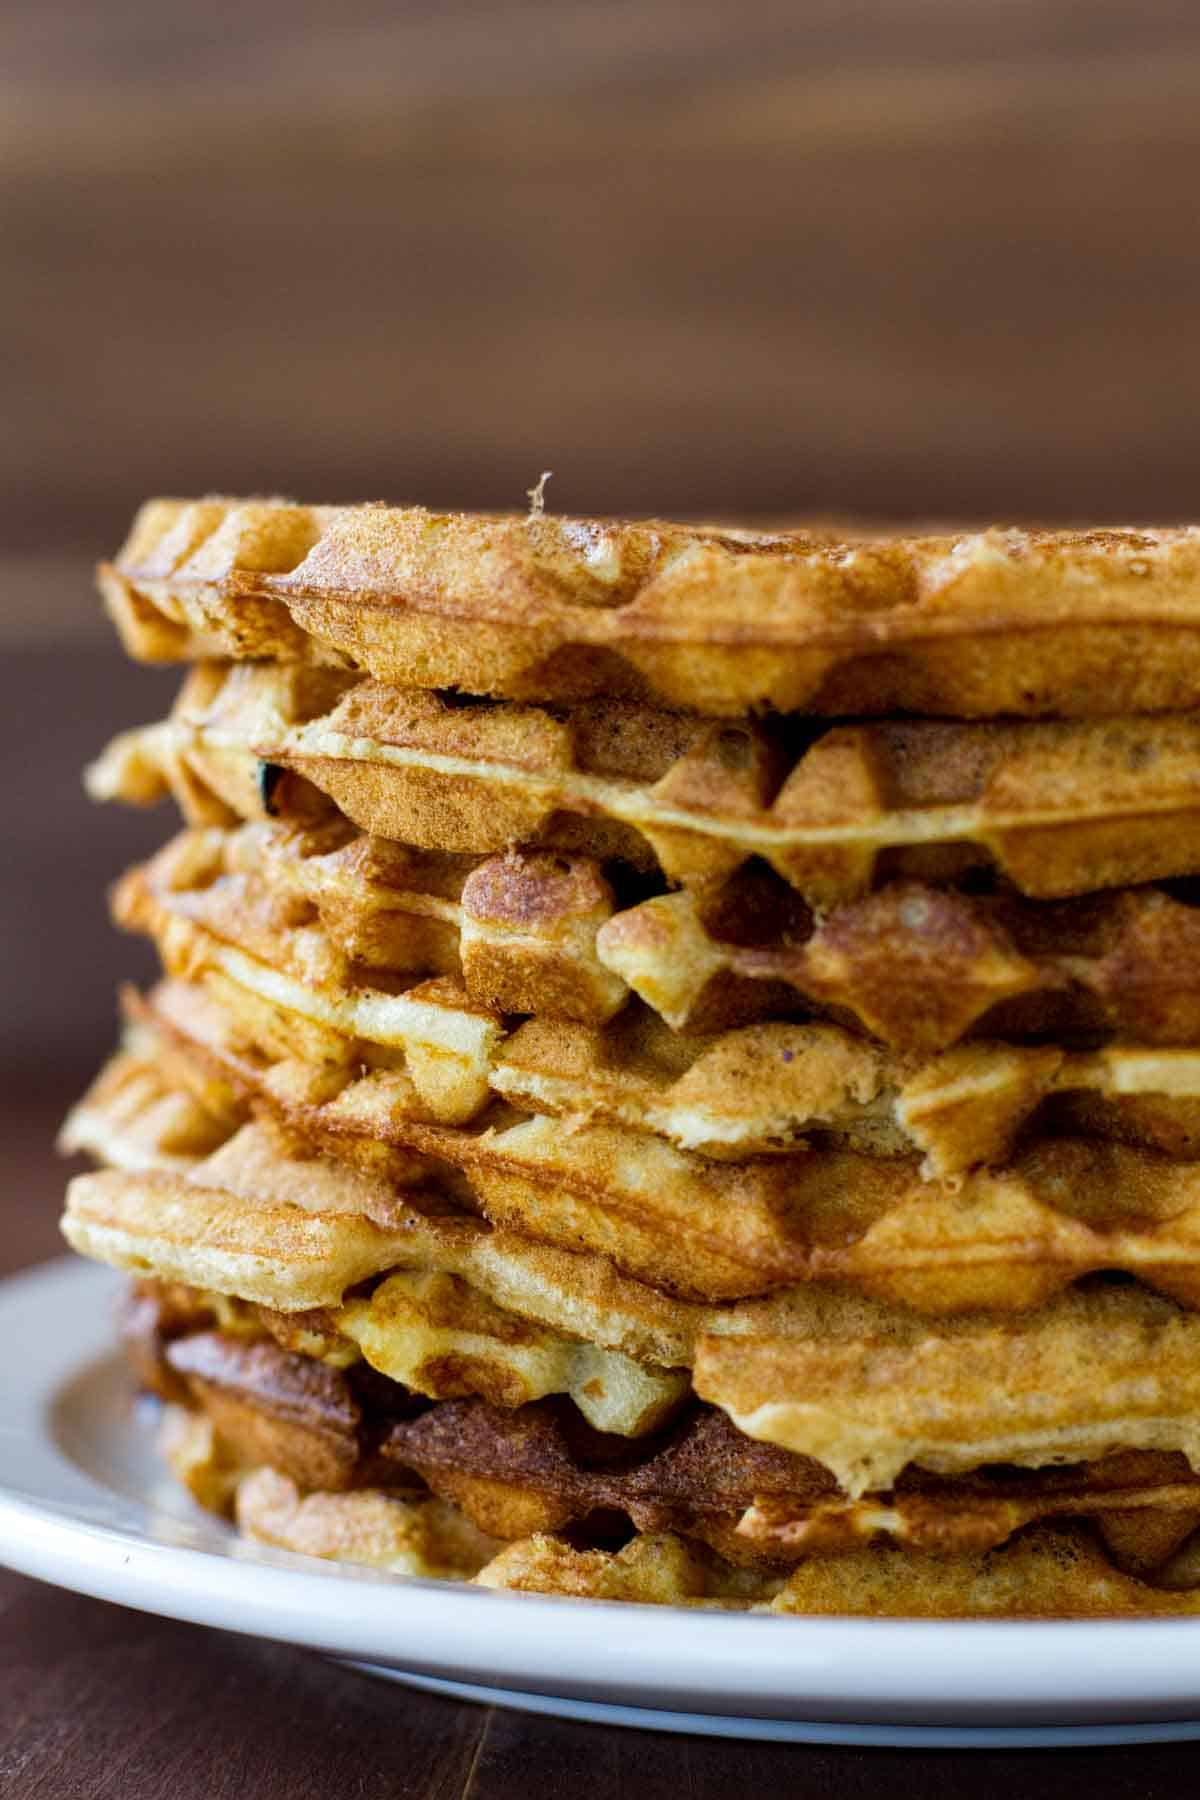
[(917, 967), (441, 1337), (1095, 1370), (424, 1537), (295, 1413), (769, 1090), (134, 1115), (436, 1053), (725, 621), (581, 1295), (532, 932), (542, 1468), (1059, 809), (921, 967), (537, 1469), (861, 1386), (654, 1568), (518, 930), (290, 985), (1002, 1239), (1058, 1570), (404, 1535), (231, 1229), (760, 1091), (154, 1313), (1052, 1571)]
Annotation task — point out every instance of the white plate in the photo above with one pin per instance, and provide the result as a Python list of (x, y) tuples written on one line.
[(83, 1503)]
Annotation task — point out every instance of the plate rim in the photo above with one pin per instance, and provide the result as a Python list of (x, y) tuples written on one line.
[(943, 1673)]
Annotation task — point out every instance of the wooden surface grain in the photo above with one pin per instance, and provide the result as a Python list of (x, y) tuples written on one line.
[(914, 258)]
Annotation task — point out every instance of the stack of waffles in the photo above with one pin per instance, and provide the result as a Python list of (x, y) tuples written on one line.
[(675, 1075)]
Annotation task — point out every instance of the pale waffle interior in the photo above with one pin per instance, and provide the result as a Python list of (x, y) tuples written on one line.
[(722, 620)]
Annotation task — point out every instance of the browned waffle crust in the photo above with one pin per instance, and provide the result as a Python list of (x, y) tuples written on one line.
[(1005, 1239), (1060, 808), (862, 1386), (540, 1468), (1032, 622)]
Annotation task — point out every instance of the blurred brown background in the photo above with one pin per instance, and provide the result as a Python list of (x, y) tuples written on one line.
[(910, 258)]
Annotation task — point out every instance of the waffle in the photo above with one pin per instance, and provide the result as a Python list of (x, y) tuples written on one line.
[(676, 1072), (425, 1325), (920, 967), (154, 1313), (383, 1529), (768, 1090), (1093, 1371), (537, 936), (423, 1537), (542, 1468), (291, 985), (1124, 964), (134, 1115), (1057, 1571), (759, 1091), (1058, 808), (124, 1219), (861, 1386), (517, 930), (725, 621), (1003, 1239), (400, 1534), (513, 1473)]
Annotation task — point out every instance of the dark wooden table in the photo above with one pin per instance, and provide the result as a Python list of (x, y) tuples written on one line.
[(96, 1701), (922, 257)]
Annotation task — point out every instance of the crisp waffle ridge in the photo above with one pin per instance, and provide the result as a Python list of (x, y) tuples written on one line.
[(1059, 808), (970, 624), (542, 1467), (863, 1386), (437, 1051), (1005, 1239)]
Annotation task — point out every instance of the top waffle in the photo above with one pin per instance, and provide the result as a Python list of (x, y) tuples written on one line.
[(1035, 623)]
